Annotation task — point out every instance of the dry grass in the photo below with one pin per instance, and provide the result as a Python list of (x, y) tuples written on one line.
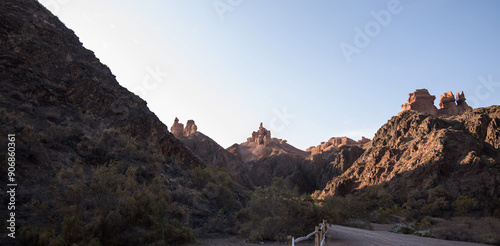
[(479, 230)]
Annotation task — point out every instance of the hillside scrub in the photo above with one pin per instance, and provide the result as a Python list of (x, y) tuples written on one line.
[(275, 211)]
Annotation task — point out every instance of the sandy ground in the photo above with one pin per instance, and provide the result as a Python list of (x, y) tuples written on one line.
[(347, 236)]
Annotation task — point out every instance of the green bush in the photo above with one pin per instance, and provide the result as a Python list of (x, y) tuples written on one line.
[(108, 207), (274, 212), (403, 228), (463, 205)]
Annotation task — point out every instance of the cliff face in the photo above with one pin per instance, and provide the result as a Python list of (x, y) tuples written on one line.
[(420, 151)]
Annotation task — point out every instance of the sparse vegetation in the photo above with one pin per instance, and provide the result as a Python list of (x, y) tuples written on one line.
[(274, 212), (110, 206)]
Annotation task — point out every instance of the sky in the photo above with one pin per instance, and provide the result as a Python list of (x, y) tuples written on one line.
[(307, 70)]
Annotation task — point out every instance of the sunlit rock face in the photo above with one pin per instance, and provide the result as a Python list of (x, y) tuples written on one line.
[(420, 100)]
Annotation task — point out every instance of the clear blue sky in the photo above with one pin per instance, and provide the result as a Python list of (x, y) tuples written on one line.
[(231, 64)]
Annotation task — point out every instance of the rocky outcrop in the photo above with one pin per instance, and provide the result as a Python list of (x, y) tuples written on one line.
[(260, 137), (190, 129), (450, 107), (180, 132), (335, 143), (416, 151), (177, 129), (422, 101)]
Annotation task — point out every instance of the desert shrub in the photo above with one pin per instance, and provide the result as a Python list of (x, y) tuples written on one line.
[(424, 233), (434, 202), (435, 207), (479, 230), (457, 232), (216, 185), (463, 204), (72, 230), (107, 207), (340, 209), (275, 211), (403, 228), (376, 197)]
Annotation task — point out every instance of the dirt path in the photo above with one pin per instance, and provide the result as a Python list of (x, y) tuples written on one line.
[(347, 236)]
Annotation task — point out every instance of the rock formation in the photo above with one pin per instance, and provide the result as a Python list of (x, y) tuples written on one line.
[(335, 143), (261, 137), (177, 129), (450, 107), (422, 101), (180, 132), (190, 129)]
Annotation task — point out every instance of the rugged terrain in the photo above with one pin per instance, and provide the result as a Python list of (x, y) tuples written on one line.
[(417, 152), (215, 156), (94, 164), (96, 167)]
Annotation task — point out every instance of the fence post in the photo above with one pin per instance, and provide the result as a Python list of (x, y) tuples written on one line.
[(317, 241), (321, 227), (324, 229), (326, 226), (290, 240)]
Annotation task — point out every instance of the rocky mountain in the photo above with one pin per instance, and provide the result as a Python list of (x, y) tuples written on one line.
[(94, 165), (266, 158), (416, 151), (260, 146)]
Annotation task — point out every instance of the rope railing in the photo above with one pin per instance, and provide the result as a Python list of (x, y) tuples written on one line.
[(319, 233)]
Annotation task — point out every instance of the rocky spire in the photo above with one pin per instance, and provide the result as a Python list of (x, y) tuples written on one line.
[(179, 131), (261, 137)]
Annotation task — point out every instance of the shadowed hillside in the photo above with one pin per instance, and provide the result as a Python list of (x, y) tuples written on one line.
[(94, 165)]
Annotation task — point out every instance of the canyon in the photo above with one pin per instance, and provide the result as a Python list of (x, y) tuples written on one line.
[(98, 167)]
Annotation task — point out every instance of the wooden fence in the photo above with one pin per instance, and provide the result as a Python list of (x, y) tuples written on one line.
[(319, 234)]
